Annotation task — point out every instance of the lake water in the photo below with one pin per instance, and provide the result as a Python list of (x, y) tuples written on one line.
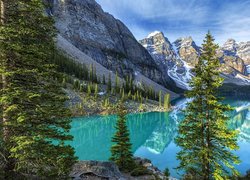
[(152, 135)]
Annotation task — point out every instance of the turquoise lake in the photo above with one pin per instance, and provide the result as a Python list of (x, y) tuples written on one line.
[(152, 135)]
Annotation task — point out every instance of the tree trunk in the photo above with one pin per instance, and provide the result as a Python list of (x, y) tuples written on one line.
[(3, 77), (10, 162)]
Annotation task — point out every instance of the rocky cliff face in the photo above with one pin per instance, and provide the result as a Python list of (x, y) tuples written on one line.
[(104, 38), (165, 56), (178, 58), (187, 50)]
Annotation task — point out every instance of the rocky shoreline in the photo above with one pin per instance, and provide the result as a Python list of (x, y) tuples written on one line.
[(100, 170)]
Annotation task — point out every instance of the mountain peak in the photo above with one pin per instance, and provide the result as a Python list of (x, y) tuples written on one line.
[(152, 34)]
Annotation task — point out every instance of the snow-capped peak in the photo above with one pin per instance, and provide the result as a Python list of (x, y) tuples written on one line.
[(154, 33)]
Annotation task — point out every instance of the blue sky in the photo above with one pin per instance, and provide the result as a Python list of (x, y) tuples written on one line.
[(180, 18)]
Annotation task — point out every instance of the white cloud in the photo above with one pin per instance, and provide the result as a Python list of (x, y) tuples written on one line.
[(234, 22), (177, 18)]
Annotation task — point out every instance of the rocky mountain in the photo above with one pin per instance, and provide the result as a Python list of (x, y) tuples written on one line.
[(106, 40), (178, 58), (168, 59)]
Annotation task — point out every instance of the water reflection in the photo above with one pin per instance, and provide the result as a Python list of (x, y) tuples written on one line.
[(152, 135)]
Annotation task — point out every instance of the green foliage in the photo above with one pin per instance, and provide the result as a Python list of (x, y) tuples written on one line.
[(121, 151), (246, 177), (160, 101), (106, 102), (166, 172), (117, 83), (96, 91), (123, 95), (76, 84), (33, 115), (67, 65), (64, 83), (204, 137), (167, 101), (89, 90), (103, 79), (109, 85)]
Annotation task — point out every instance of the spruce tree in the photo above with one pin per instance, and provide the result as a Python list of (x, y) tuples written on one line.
[(89, 91), (204, 137), (109, 85), (167, 101), (34, 121), (121, 151), (117, 86), (103, 79), (160, 101), (96, 91)]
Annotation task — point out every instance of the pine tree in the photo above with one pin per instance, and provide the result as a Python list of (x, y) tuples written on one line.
[(76, 84), (96, 91), (117, 86), (33, 114), (160, 101), (167, 101), (123, 95), (109, 85), (89, 91), (204, 137), (103, 80), (121, 151), (91, 73), (95, 78)]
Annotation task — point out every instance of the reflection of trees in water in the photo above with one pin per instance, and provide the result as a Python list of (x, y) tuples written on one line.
[(92, 135)]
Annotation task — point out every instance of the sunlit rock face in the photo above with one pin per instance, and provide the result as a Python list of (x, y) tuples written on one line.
[(187, 50), (231, 62)]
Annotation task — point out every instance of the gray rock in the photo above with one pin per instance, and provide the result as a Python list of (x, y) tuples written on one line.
[(166, 57), (95, 170), (104, 38)]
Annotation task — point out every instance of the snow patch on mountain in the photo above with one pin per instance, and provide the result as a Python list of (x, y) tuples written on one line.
[(153, 34)]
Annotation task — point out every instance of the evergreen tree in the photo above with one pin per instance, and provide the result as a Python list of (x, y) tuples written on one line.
[(33, 114), (89, 91), (95, 78), (117, 86), (160, 101), (103, 80), (167, 101), (96, 91), (129, 94), (204, 137), (109, 85), (121, 151), (123, 95), (91, 73), (76, 84)]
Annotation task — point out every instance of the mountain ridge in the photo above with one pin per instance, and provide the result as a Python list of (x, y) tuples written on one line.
[(184, 53)]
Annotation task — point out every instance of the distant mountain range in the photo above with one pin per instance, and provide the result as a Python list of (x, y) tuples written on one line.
[(154, 61), (178, 58)]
